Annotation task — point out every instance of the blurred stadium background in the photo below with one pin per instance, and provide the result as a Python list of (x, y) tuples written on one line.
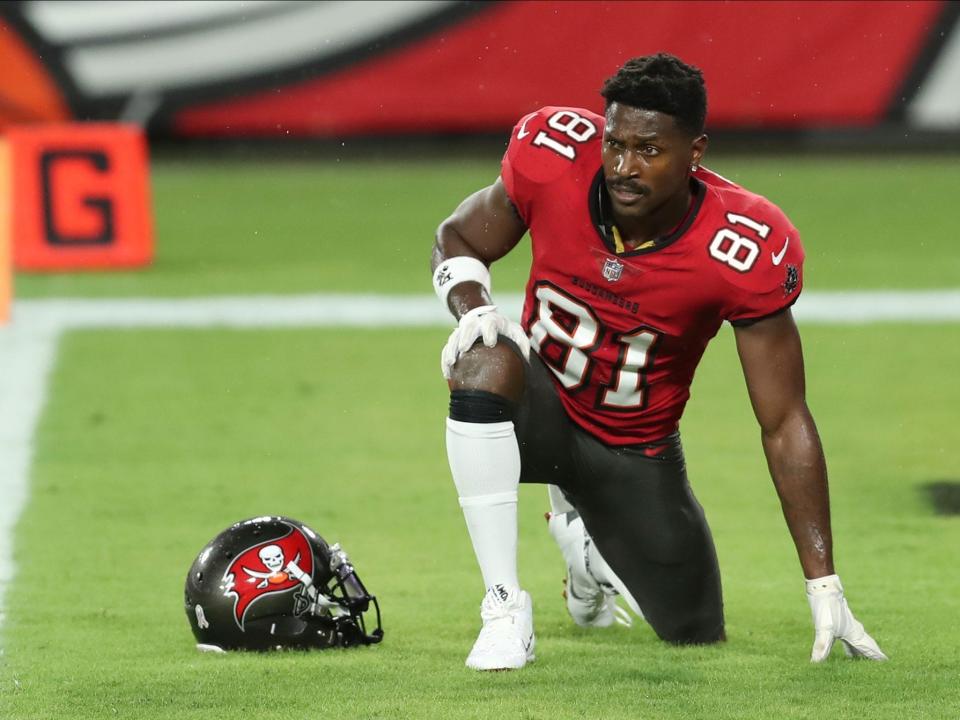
[(334, 70), (278, 352)]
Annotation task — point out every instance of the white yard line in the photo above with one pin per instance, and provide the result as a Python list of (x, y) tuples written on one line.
[(26, 358), (28, 347), (330, 310)]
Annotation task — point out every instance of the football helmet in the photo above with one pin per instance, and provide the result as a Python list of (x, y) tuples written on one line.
[(272, 582)]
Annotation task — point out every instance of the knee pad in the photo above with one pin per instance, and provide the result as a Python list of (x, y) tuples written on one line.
[(479, 406)]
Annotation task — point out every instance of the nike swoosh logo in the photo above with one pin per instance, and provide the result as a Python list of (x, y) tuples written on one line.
[(523, 132), (778, 257)]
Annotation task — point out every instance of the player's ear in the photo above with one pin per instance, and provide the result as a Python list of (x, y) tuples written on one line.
[(698, 149)]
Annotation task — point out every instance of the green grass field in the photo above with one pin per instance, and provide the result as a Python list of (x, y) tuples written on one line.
[(153, 440), (235, 227)]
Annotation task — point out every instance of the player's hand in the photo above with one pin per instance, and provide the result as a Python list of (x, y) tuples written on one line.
[(832, 620), (484, 322)]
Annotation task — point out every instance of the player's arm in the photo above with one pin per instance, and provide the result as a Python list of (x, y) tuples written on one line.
[(483, 228), (772, 359)]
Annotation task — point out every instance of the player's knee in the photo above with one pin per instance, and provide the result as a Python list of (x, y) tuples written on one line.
[(498, 370), (692, 631)]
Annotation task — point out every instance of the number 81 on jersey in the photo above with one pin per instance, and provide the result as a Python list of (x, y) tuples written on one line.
[(577, 343)]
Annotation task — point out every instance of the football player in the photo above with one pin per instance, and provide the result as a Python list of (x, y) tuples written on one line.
[(639, 255)]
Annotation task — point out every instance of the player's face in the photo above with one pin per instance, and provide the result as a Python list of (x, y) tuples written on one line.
[(646, 161)]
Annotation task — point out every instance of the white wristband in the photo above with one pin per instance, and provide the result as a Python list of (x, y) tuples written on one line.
[(456, 270)]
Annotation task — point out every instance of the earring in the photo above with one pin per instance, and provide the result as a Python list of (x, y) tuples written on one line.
[(694, 167)]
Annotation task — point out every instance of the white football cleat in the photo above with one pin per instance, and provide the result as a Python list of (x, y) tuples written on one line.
[(591, 603), (506, 639)]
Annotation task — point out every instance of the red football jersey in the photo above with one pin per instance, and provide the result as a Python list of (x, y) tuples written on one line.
[(623, 332)]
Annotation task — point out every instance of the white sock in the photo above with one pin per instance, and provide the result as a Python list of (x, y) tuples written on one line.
[(485, 464)]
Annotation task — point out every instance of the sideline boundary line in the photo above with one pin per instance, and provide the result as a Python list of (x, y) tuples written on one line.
[(28, 347), (357, 310)]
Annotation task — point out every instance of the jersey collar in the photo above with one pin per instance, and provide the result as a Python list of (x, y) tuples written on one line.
[(602, 216)]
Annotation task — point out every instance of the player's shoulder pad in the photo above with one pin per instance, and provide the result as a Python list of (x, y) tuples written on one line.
[(753, 242), (550, 142)]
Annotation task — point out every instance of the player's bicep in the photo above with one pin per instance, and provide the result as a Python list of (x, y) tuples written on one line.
[(485, 225), (772, 359)]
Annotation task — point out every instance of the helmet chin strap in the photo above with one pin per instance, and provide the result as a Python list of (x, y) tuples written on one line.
[(322, 605)]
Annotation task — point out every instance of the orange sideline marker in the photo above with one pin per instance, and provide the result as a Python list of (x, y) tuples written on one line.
[(80, 197)]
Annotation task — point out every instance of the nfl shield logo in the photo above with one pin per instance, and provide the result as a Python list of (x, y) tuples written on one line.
[(612, 269)]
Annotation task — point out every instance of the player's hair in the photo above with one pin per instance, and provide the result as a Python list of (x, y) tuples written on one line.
[(663, 83)]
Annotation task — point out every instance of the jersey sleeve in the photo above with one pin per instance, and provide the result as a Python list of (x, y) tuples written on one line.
[(535, 154), (764, 281)]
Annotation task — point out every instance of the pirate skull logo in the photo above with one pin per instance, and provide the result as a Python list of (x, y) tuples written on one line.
[(272, 558), (267, 568)]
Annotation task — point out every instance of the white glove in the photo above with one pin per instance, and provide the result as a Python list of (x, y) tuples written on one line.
[(482, 322), (832, 619)]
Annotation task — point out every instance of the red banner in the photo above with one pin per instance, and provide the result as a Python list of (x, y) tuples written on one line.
[(767, 64), (341, 69)]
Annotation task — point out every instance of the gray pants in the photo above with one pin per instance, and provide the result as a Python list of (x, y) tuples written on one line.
[(638, 507)]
